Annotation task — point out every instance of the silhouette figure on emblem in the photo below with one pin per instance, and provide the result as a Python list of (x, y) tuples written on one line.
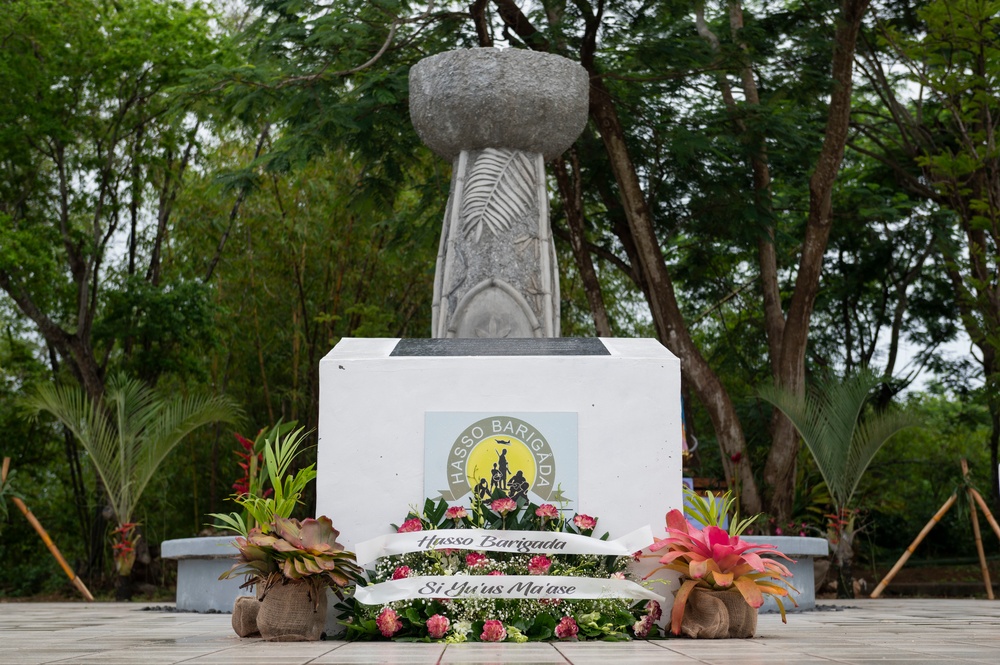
[(518, 486), (504, 467), (497, 481)]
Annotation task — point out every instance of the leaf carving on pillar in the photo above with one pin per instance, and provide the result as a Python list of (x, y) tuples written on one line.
[(498, 192), (495, 329)]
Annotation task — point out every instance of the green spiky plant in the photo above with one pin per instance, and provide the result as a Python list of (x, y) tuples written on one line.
[(843, 437), (280, 449), (714, 509), (127, 435), (274, 546)]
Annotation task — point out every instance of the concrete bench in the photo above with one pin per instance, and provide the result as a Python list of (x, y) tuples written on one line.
[(200, 561), (803, 550)]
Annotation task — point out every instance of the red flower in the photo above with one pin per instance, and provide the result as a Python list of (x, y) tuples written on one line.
[(503, 506), (539, 565), (411, 525), (245, 442), (437, 626), (493, 631), (643, 626), (567, 628), (584, 522), (401, 573), (547, 510), (654, 610), (388, 622), (473, 559)]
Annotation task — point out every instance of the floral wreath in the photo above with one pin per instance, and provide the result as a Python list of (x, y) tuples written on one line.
[(489, 619)]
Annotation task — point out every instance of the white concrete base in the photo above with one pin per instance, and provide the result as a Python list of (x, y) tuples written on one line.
[(200, 561), (372, 427), (372, 416), (803, 550)]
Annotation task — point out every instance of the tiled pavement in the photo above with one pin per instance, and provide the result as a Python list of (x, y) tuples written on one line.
[(921, 632)]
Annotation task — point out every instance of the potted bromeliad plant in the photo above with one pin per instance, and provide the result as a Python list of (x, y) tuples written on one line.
[(290, 562), (723, 577)]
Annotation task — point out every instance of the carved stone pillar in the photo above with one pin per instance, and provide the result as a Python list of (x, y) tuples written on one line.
[(498, 115)]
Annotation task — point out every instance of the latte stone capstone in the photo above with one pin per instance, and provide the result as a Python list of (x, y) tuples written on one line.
[(498, 115)]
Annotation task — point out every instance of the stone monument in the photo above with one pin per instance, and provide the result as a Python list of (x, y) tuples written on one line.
[(498, 115)]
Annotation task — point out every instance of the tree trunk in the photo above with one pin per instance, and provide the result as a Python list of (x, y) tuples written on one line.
[(843, 560), (779, 472), (670, 325), (571, 192)]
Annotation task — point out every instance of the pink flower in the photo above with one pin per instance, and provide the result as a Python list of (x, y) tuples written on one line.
[(447, 551), (584, 522), (547, 510), (493, 630), (494, 573), (567, 628), (642, 626), (778, 531), (473, 559), (388, 622), (401, 573), (539, 565), (411, 525), (456, 513), (503, 506), (437, 626), (654, 610), (618, 576)]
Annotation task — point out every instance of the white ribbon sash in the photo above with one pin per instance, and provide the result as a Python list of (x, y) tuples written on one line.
[(519, 542), (500, 586)]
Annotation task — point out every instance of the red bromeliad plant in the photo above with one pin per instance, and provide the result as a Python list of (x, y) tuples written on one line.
[(710, 558), (124, 540)]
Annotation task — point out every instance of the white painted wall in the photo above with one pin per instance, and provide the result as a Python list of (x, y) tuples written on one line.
[(371, 427)]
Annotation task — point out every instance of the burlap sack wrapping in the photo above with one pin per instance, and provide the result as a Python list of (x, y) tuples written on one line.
[(742, 617), (292, 611), (718, 614), (245, 616)]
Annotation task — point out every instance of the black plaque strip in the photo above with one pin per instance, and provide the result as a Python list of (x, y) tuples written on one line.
[(532, 346)]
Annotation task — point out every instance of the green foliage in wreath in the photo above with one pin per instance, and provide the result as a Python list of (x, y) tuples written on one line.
[(484, 619)]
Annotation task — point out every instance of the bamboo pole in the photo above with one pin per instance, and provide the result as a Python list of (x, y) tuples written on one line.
[(977, 536), (986, 511), (909, 550), (76, 581)]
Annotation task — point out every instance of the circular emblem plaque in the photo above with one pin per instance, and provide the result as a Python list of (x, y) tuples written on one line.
[(502, 454)]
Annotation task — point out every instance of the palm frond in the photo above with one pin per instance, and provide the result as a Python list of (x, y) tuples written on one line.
[(128, 434), (90, 424), (829, 420), (870, 436), (171, 423)]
